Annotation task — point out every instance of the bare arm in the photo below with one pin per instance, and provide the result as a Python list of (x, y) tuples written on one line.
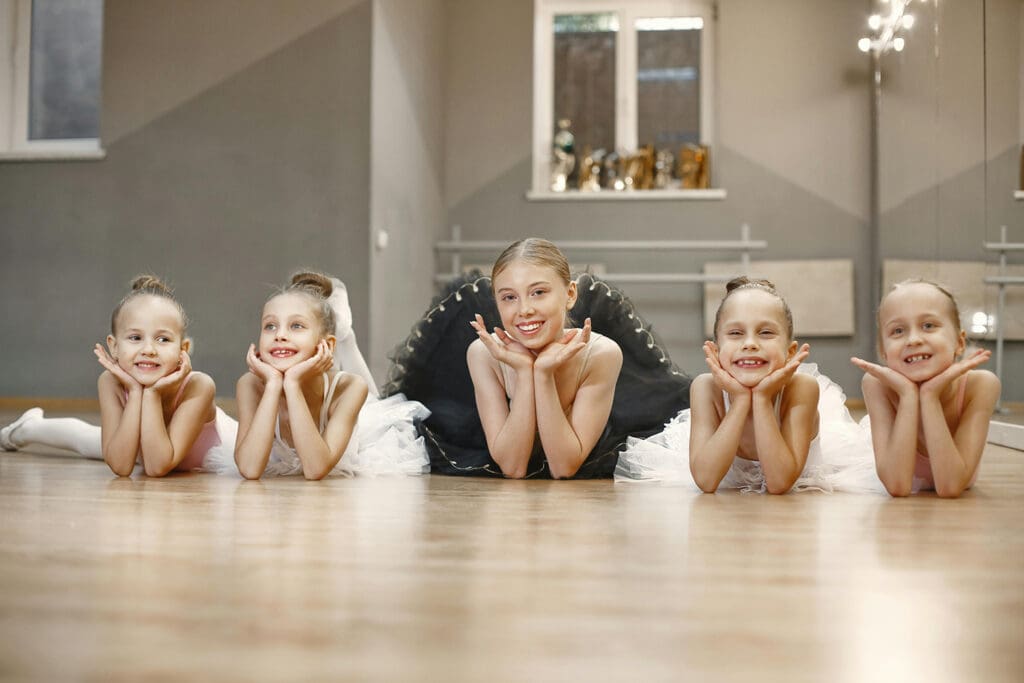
[(317, 452), (714, 442), (783, 443), (120, 423), (568, 440), (164, 445), (954, 457), (509, 428), (259, 395), (894, 409)]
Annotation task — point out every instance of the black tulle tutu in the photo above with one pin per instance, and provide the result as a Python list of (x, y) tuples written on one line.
[(430, 367)]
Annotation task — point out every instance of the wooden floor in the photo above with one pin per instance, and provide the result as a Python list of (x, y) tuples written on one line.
[(198, 577)]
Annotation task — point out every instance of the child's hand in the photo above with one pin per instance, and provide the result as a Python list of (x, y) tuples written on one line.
[(937, 384), (506, 349), (172, 380), (896, 382), (264, 371), (558, 353), (127, 381), (317, 364), (723, 379), (776, 380)]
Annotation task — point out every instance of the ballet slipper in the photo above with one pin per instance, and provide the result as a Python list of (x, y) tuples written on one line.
[(338, 301), (7, 433)]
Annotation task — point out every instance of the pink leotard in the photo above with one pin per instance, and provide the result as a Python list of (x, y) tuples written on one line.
[(207, 438)]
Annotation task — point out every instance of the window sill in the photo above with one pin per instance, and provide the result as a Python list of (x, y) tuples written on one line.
[(54, 155), (716, 194)]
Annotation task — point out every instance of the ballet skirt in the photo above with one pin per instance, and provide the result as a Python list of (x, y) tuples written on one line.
[(430, 367), (840, 457)]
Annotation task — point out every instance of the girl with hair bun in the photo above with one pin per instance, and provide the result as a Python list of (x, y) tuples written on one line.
[(154, 408), (516, 389), (309, 404), (760, 420)]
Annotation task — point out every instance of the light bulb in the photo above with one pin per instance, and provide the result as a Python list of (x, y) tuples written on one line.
[(864, 44), (908, 21), (874, 21), (897, 44)]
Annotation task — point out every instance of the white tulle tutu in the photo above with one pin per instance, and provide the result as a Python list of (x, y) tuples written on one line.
[(385, 443), (221, 457), (840, 457)]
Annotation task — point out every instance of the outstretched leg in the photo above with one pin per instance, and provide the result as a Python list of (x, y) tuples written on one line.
[(68, 433)]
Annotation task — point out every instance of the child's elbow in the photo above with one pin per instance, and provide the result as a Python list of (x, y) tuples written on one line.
[(517, 472), (946, 490), (316, 474), (777, 488), (703, 482), (248, 471), (898, 489), (161, 470), (121, 470)]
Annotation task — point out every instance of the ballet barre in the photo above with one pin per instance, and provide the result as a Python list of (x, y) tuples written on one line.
[(1002, 281), (457, 246)]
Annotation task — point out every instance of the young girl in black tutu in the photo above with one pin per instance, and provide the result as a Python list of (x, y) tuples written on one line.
[(535, 397)]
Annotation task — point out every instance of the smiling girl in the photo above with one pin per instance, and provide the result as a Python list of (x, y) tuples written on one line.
[(154, 409), (759, 420), (929, 407), (298, 410), (521, 391)]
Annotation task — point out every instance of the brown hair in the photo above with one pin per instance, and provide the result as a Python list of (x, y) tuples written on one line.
[(743, 282), (533, 250), (153, 286), (954, 306), (317, 287)]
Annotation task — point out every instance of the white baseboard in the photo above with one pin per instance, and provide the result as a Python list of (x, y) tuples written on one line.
[(1006, 434)]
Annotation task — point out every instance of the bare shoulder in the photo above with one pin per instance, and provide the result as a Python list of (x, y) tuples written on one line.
[(200, 384), (983, 385), (478, 356), (351, 383), (107, 383), (703, 385), (803, 387), (606, 351), (249, 384)]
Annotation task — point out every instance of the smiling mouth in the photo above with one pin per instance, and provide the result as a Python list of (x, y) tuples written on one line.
[(146, 366), (910, 360), (529, 328), (282, 353), (750, 363)]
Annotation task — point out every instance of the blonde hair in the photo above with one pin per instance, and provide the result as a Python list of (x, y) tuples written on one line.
[(149, 285), (318, 287), (954, 306), (743, 282), (533, 250)]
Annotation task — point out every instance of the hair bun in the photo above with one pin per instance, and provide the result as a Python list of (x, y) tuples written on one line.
[(150, 284), (744, 281), (313, 282)]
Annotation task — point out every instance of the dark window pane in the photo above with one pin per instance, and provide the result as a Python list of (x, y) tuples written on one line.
[(668, 81), (585, 78), (64, 81)]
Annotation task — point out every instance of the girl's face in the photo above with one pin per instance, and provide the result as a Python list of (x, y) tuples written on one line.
[(753, 337), (919, 337), (290, 331), (533, 302), (149, 338)]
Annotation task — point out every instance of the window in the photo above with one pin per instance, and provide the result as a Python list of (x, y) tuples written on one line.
[(50, 68), (618, 75)]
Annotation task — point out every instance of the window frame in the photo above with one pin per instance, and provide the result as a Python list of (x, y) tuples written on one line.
[(15, 77), (625, 76)]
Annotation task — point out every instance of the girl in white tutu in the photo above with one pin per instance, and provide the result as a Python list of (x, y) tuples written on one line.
[(154, 408), (928, 405), (759, 420), (298, 411)]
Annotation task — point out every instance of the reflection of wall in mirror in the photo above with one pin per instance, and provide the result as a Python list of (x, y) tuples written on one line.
[(977, 300)]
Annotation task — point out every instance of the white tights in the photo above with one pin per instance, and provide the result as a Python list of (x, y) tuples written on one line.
[(68, 433)]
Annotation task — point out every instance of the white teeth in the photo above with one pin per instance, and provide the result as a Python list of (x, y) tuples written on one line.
[(914, 359), (529, 328), (748, 363)]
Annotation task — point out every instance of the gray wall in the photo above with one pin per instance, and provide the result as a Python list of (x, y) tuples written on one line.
[(237, 150), (792, 150), (407, 166)]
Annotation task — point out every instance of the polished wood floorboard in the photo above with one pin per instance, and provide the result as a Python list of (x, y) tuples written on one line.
[(199, 577)]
